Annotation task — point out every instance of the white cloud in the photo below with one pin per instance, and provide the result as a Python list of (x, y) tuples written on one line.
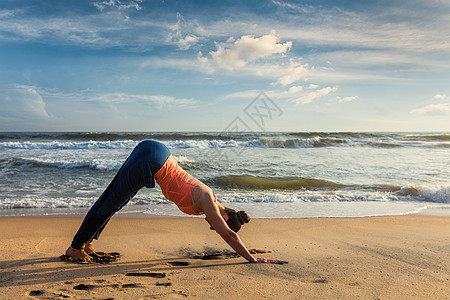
[(186, 42), (346, 28), (432, 109), (295, 89), (204, 63), (237, 54), (346, 99), (110, 28), (116, 98), (177, 37), (285, 72), (311, 96), (440, 96), (297, 8), (399, 27), (101, 5), (22, 102), (249, 94), (312, 86), (6, 13), (335, 29), (168, 63), (292, 73)]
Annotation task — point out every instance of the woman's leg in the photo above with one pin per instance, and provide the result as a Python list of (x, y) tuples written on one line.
[(99, 214), (136, 172)]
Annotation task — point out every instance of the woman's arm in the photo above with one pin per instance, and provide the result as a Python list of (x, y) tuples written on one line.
[(235, 242), (212, 213)]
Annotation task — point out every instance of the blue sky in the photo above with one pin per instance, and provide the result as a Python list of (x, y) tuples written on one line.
[(137, 65)]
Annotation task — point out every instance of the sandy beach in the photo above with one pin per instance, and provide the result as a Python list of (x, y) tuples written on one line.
[(390, 257)]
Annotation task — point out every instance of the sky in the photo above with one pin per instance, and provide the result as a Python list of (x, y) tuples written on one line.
[(266, 65)]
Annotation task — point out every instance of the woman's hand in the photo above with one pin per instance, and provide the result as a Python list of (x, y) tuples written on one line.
[(263, 260)]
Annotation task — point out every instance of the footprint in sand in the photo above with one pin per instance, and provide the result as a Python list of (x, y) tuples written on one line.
[(320, 281), (146, 274), (179, 263), (216, 254), (163, 284), (84, 287), (174, 294), (131, 285), (36, 293), (97, 257)]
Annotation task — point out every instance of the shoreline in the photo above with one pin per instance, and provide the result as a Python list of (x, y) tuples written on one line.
[(393, 257), (140, 211)]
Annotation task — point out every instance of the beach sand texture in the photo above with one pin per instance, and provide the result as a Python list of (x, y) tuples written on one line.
[(390, 257)]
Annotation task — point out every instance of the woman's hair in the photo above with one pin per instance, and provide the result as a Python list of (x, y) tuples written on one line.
[(236, 218)]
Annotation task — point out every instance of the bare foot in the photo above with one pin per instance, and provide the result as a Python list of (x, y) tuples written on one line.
[(78, 254), (88, 248)]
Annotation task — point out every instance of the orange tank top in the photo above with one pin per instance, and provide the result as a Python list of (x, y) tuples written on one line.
[(177, 185)]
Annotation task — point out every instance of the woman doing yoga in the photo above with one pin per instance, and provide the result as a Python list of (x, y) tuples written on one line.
[(151, 161)]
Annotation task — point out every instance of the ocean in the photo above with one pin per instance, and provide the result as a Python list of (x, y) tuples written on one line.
[(270, 175)]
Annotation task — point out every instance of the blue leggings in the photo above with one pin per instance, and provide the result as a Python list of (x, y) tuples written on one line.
[(137, 172)]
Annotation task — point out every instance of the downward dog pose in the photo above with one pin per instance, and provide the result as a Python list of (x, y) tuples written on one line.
[(151, 161)]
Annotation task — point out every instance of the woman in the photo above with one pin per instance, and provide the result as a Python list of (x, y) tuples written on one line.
[(151, 161)]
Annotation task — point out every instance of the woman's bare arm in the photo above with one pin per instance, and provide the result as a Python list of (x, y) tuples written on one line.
[(212, 213)]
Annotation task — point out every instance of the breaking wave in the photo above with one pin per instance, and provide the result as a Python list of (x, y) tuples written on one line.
[(332, 191), (112, 140), (267, 183)]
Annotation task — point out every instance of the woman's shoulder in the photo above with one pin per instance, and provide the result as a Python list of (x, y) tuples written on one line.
[(201, 195)]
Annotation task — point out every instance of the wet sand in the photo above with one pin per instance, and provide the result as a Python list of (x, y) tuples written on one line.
[(392, 257)]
